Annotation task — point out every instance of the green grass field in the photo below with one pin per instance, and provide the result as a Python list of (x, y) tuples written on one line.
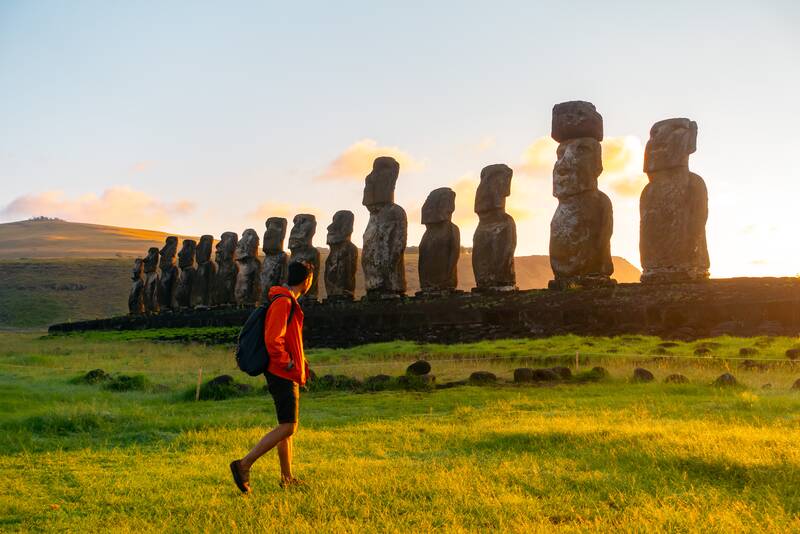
[(611, 455)]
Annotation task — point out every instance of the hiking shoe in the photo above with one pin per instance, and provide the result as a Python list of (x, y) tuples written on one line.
[(240, 476)]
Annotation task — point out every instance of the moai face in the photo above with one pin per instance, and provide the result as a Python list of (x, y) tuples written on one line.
[(671, 142), (138, 269), (186, 255), (439, 206), (275, 234), (168, 252), (305, 226), (151, 261), (203, 251), (380, 183), (575, 119), (341, 228), (226, 247), (495, 186), (248, 245), (577, 168)]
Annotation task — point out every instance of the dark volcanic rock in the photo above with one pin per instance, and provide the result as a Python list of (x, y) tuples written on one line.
[(248, 277), (575, 119), (702, 351), (275, 264), (441, 243), (564, 373), (227, 269), (203, 284), (95, 376), (136, 295), (186, 275), (342, 261), (748, 351), (221, 380), (581, 228), (482, 377), (150, 265), (168, 273), (642, 375), (523, 374), (676, 379), (793, 354), (545, 375), (303, 250), (495, 238), (377, 382), (726, 379), (668, 344), (418, 368), (673, 207), (382, 258)]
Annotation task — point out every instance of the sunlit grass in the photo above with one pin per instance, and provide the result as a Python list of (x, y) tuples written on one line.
[(611, 455)]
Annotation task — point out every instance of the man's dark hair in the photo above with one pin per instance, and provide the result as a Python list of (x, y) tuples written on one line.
[(298, 272)]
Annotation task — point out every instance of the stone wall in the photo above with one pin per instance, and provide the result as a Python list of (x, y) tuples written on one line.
[(736, 306)]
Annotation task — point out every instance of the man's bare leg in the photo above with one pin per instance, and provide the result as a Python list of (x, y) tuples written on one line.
[(285, 458), (270, 440)]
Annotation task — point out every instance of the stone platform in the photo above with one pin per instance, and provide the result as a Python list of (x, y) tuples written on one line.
[(735, 306)]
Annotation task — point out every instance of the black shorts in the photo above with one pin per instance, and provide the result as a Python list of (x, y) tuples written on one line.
[(286, 394)]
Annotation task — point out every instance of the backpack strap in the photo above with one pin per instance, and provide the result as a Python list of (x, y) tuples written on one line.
[(291, 309)]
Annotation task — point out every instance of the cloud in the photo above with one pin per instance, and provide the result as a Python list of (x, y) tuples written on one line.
[(539, 157), (116, 206), (486, 143), (286, 210), (142, 166), (356, 161)]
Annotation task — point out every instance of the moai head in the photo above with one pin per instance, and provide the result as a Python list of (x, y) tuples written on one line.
[(341, 228), (186, 255), (138, 269), (577, 168), (168, 252), (379, 186), (275, 234), (151, 260), (226, 248), (576, 119), (495, 186), (439, 206), (671, 142), (305, 226), (248, 245), (203, 251)]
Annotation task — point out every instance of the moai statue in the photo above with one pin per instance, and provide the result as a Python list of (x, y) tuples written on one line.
[(247, 288), (440, 245), (342, 261), (382, 258), (150, 265), (301, 244), (673, 207), (227, 270), (203, 284), (495, 237), (169, 273), (136, 296), (187, 274), (273, 269), (580, 231)]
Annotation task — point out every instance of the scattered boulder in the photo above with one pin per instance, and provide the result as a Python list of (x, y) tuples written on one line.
[(726, 380), (127, 383), (767, 386), (455, 383), (419, 368), (417, 382), (593, 375), (337, 382), (702, 351), (748, 351), (377, 382), (668, 344), (564, 373), (796, 384), (676, 379), (220, 388), (221, 380), (751, 365), (482, 377), (793, 354), (523, 374), (642, 375), (659, 351), (95, 376), (545, 375)]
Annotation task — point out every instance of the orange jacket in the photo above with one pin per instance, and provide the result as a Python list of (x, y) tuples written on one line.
[(285, 340)]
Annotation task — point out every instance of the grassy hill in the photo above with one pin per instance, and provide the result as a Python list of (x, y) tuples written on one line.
[(53, 271)]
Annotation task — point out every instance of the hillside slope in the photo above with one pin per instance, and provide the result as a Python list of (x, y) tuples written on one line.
[(53, 271)]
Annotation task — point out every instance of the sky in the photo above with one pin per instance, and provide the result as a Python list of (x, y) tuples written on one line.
[(203, 117)]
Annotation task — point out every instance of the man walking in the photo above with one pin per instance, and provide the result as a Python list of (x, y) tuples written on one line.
[(287, 370)]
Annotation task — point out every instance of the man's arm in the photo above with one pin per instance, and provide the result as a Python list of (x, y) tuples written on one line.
[(275, 329)]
